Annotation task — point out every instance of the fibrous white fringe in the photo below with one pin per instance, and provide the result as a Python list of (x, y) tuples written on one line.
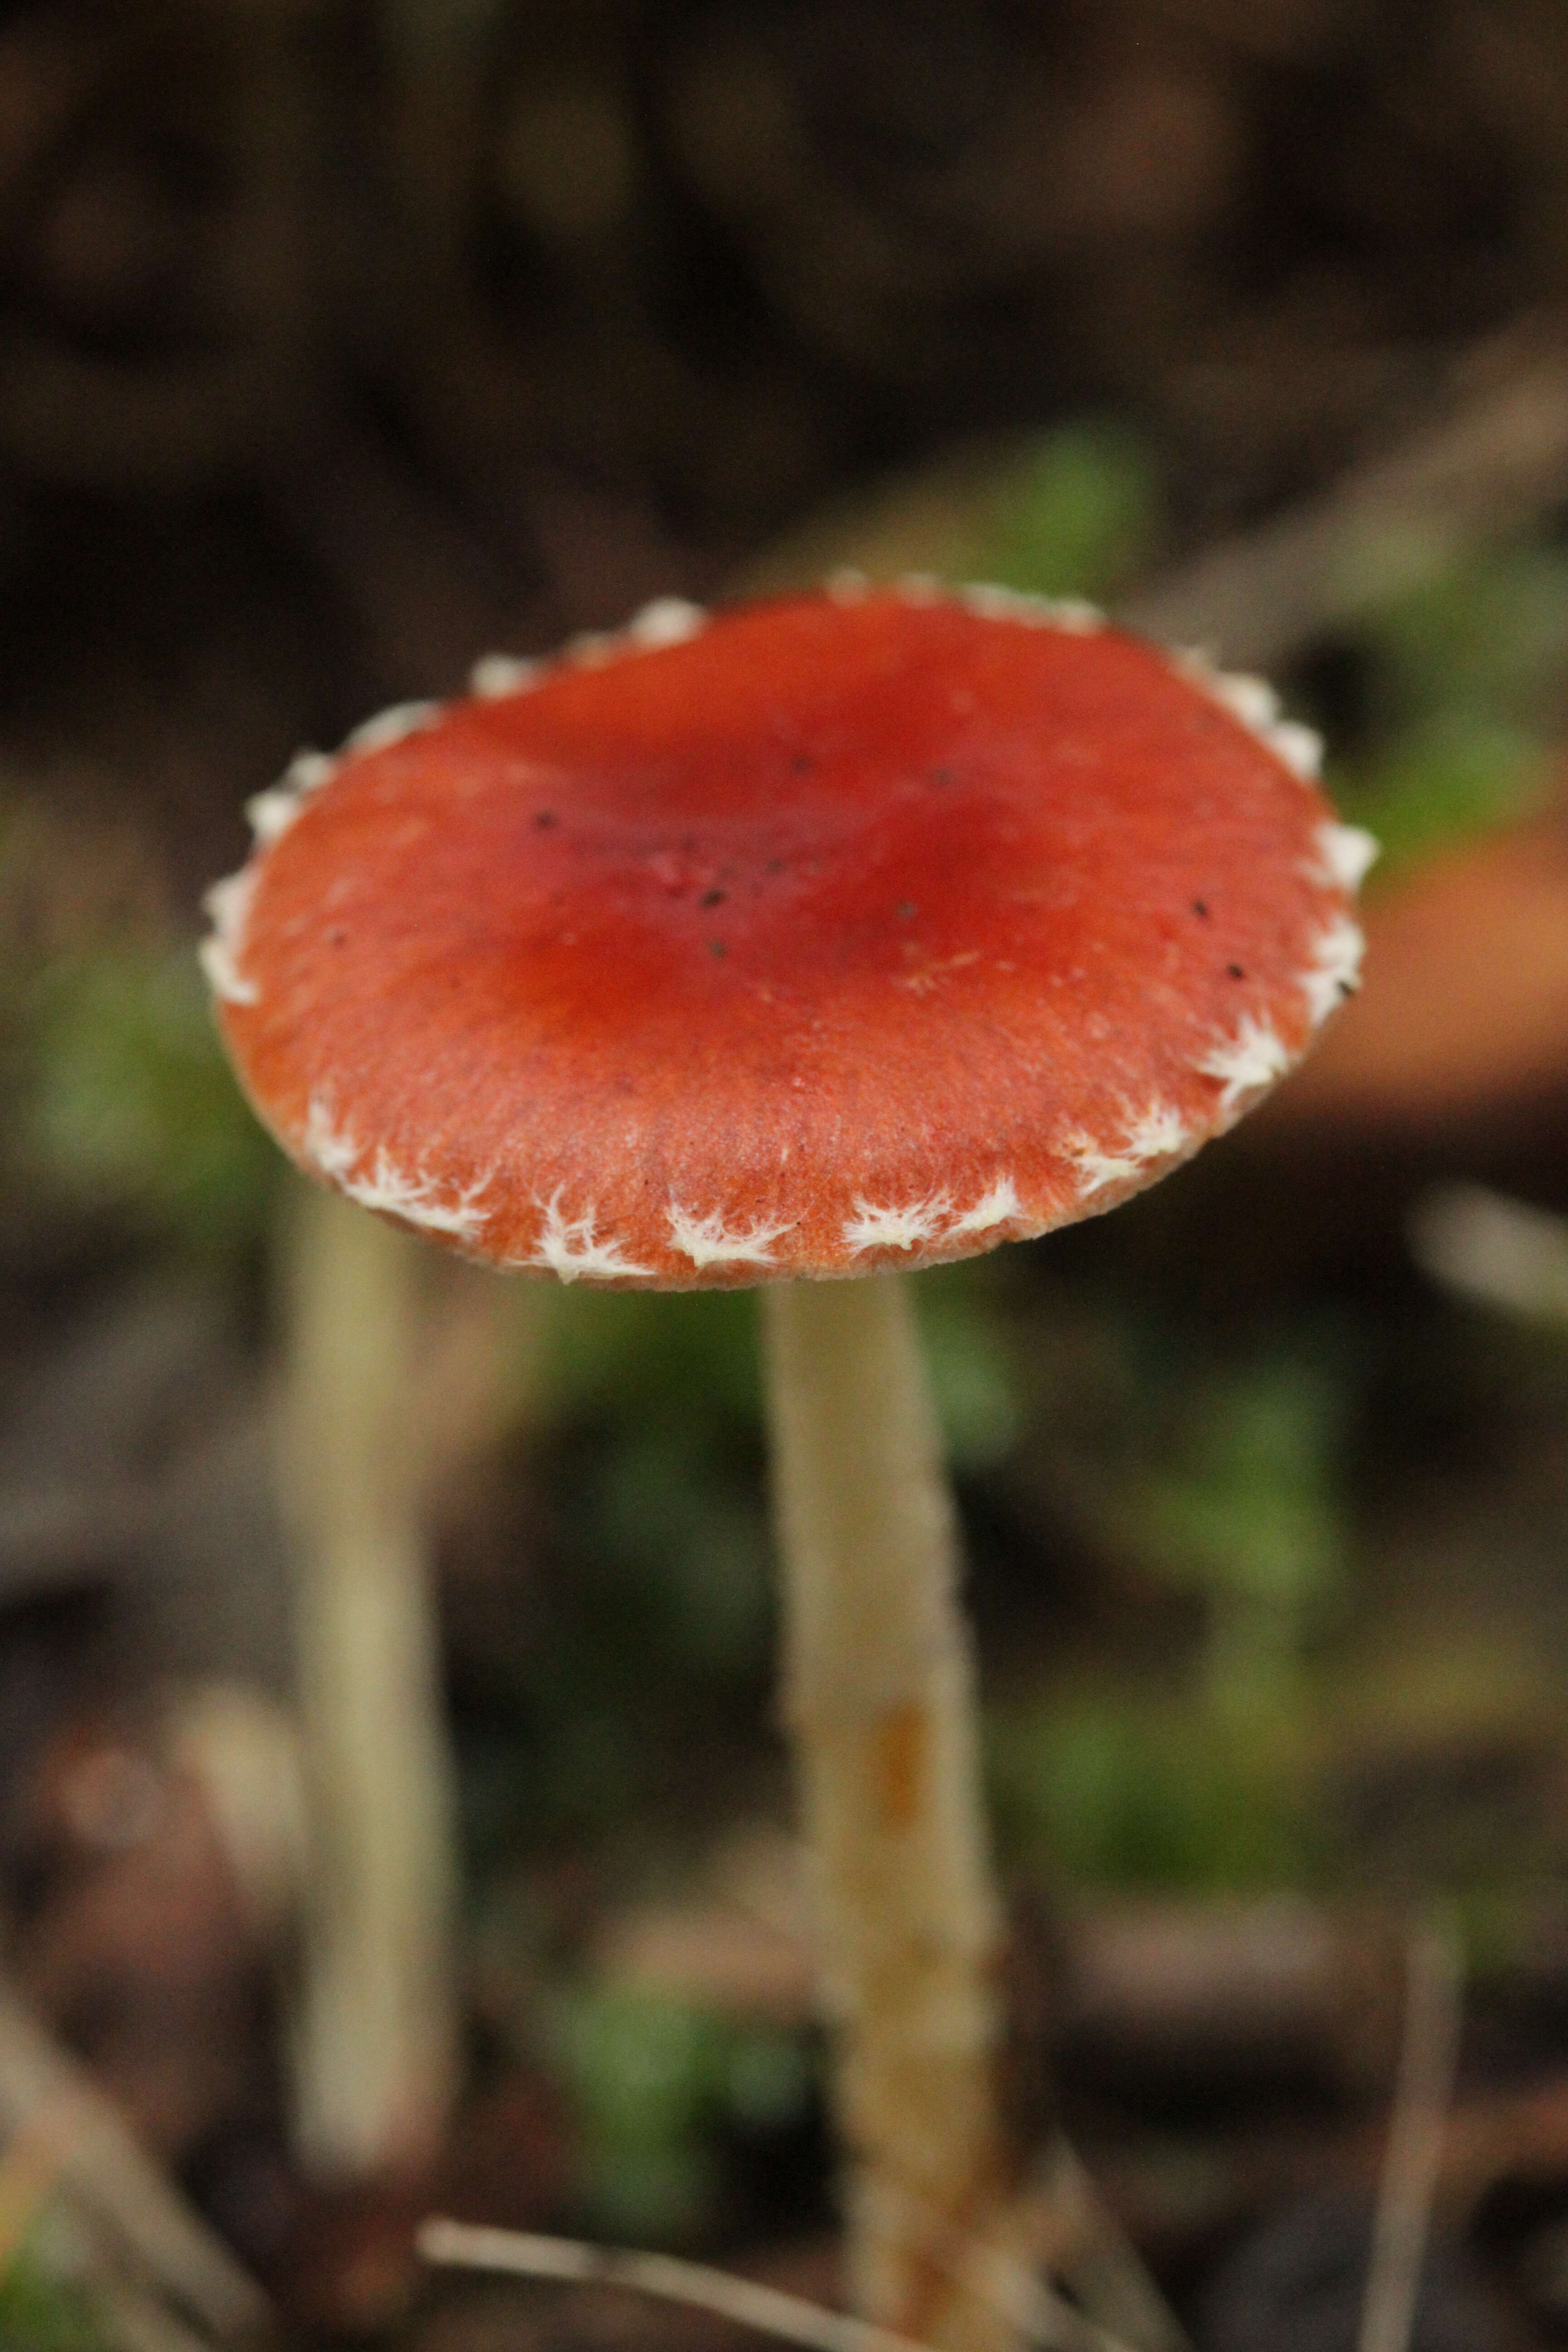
[(272, 813), (494, 677), (1300, 748), (1334, 972), (227, 904), (707, 1240), (420, 1200), (1252, 1059), (390, 726), (1154, 1134), (1346, 854), (1253, 702), (571, 1248), (1073, 615), (885, 1226), (668, 621), (998, 1206), (879, 1225)]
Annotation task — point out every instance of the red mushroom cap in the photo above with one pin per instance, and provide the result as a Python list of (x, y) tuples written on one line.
[(849, 930)]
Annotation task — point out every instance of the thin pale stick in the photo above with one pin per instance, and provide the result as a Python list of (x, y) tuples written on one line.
[(115, 2179), (1506, 1254), (524, 2254), (1491, 465), (1039, 2314), (135, 2321), (29, 2169), (789, 2317), (1074, 2234), (1423, 2091)]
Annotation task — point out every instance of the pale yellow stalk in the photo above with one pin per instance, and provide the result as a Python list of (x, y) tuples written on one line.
[(879, 1702)]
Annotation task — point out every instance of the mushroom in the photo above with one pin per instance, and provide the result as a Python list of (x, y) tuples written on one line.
[(830, 936)]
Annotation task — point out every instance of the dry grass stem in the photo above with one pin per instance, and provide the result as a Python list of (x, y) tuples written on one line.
[(1042, 2316), (135, 2321), (1423, 2091), (1494, 464), (1071, 2232), (46, 2096)]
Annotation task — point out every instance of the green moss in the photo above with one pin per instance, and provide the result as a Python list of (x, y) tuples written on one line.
[(1464, 677), (1081, 515), (655, 2084), (43, 2314), (1451, 779), (127, 1103), (1112, 1789)]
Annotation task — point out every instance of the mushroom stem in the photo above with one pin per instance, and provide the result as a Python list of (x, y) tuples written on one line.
[(879, 1700), (376, 2052)]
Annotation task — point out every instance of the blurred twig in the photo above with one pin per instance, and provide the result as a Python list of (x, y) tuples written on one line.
[(1423, 2091), (1077, 2238), (28, 2171), (1485, 1247), (137, 2322), (525, 2254), (1044, 2318), (1494, 463), (46, 2094)]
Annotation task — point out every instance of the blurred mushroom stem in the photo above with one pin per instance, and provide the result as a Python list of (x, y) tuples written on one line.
[(879, 1701), (375, 2054)]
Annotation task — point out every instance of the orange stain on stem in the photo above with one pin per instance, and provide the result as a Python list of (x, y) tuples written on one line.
[(899, 1765)]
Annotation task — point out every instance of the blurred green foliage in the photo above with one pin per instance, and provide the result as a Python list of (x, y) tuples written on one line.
[(1485, 634), (643, 1438), (1106, 1786), (1077, 511), (965, 1322), (40, 2312), (1453, 779), (672, 1362), (1220, 1473), (656, 2085), (1464, 700), (1080, 514), (1248, 1508), (124, 1103), (642, 1359)]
